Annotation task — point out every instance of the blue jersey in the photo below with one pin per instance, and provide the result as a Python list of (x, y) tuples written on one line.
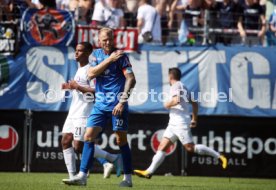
[(110, 84)]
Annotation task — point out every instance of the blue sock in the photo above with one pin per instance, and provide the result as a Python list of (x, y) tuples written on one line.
[(102, 161), (126, 155), (87, 156)]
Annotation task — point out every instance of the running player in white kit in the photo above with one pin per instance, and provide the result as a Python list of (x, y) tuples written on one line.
[(82, 102), (179, 127)]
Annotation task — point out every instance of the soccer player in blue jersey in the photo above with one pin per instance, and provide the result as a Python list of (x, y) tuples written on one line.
[(114, 81), (80, 108)]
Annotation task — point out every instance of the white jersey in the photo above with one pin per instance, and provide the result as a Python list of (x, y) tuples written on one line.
[(148, 13), (109, 16), (179, 114), (81, 104)]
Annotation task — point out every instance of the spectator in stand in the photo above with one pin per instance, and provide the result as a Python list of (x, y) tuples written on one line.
[(58, 2), (252, 24), (69, 5), (9, 11), (192, 19), (178, 8), (82, 10), (210, 5), (131, 7), (148, 23), (40, 4), (164, 9), (108, 14), (34, 4), (5, 10), (85, 10), (271, 35), (227, 11), (226, 19), (48, 4)]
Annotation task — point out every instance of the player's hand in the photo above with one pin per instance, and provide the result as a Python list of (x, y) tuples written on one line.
[(115, 55), (118, 110), (73, 84), (65, 86), (193, 124)]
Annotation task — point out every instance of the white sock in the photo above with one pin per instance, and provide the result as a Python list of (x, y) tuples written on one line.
[(100, 153), (157, 160), (111, 157), (70, 161), (82, 174), (204, 150), (127, 177)]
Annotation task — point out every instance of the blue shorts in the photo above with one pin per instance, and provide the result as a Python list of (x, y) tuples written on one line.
[(99, 118)]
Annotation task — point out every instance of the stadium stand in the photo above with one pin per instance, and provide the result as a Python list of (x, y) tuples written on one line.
[(184, 22)]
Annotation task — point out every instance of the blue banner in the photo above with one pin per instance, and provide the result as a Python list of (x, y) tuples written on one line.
[(47, 27), (34, 73), (224, 80)]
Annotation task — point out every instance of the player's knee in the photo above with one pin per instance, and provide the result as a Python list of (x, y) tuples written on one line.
[(189, 148), (91, 134), (65, 144), (88, 137)]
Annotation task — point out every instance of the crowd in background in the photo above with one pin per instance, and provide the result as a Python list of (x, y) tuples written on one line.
[(158, 20)]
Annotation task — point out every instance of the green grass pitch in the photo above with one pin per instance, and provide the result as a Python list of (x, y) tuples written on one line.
[(41, 181)]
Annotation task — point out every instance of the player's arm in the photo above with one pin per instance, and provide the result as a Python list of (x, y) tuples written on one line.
[(194, 113), (96, 70), (129, 85), (173, 102), (74, 85)]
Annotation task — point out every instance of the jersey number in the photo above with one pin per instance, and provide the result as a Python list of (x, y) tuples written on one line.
[(119, 122), (78, 131)]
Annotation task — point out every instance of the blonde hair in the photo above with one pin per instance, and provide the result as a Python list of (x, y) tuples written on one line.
[(108, 31)]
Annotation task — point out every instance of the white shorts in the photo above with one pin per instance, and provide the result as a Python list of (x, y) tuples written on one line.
[(76, 126), (179, 132)]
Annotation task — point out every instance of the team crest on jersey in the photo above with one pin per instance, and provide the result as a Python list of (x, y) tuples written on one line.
[(106, 72), (47, 27)]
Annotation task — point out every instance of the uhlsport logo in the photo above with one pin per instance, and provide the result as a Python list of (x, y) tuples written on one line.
[(47, 27), (156, 139), (8, 138)]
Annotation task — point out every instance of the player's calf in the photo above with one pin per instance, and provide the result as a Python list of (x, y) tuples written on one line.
[(78, 146), (66, 141)]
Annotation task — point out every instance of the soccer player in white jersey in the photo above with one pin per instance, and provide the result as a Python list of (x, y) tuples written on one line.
[(179, 127), (80, 108)]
